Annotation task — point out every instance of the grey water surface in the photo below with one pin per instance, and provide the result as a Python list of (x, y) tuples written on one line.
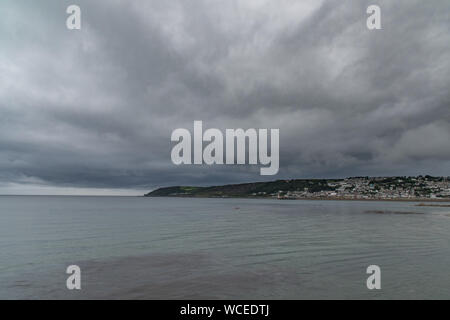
[(176, 248)]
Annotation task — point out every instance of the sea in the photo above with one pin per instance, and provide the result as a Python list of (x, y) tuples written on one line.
[(191, 248)]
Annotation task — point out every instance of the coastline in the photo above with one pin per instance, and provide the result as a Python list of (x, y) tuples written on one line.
[(409, 189), (309, 198)]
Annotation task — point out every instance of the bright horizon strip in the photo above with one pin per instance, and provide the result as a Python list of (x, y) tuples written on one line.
[(16, 189)]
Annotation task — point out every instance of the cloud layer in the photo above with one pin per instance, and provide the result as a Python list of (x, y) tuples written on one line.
[(95, 108)]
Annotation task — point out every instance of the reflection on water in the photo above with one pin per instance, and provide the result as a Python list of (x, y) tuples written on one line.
[(162, 248)]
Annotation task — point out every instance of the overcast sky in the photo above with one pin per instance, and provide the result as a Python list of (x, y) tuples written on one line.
[(92, 111)]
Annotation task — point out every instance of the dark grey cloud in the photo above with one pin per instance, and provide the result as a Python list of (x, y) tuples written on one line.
[(95, 108)]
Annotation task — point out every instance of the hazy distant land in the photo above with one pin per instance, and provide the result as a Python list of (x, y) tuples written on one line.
[(419, 188)]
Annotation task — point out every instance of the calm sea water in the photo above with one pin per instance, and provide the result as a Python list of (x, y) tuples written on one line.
[(171, 248)]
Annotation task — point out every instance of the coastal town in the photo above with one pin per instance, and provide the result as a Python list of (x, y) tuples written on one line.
[(373, 188)]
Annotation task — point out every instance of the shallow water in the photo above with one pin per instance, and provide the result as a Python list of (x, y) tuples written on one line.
[(173, 248)]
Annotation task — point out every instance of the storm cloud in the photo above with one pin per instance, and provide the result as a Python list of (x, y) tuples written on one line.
[(93, 109)]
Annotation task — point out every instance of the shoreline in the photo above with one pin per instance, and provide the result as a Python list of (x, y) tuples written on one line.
[(315, 199)]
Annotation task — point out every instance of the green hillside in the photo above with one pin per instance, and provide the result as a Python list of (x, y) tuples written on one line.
[(256, 189)]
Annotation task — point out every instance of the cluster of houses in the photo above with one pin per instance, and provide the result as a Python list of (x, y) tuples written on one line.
[(421, 187)]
